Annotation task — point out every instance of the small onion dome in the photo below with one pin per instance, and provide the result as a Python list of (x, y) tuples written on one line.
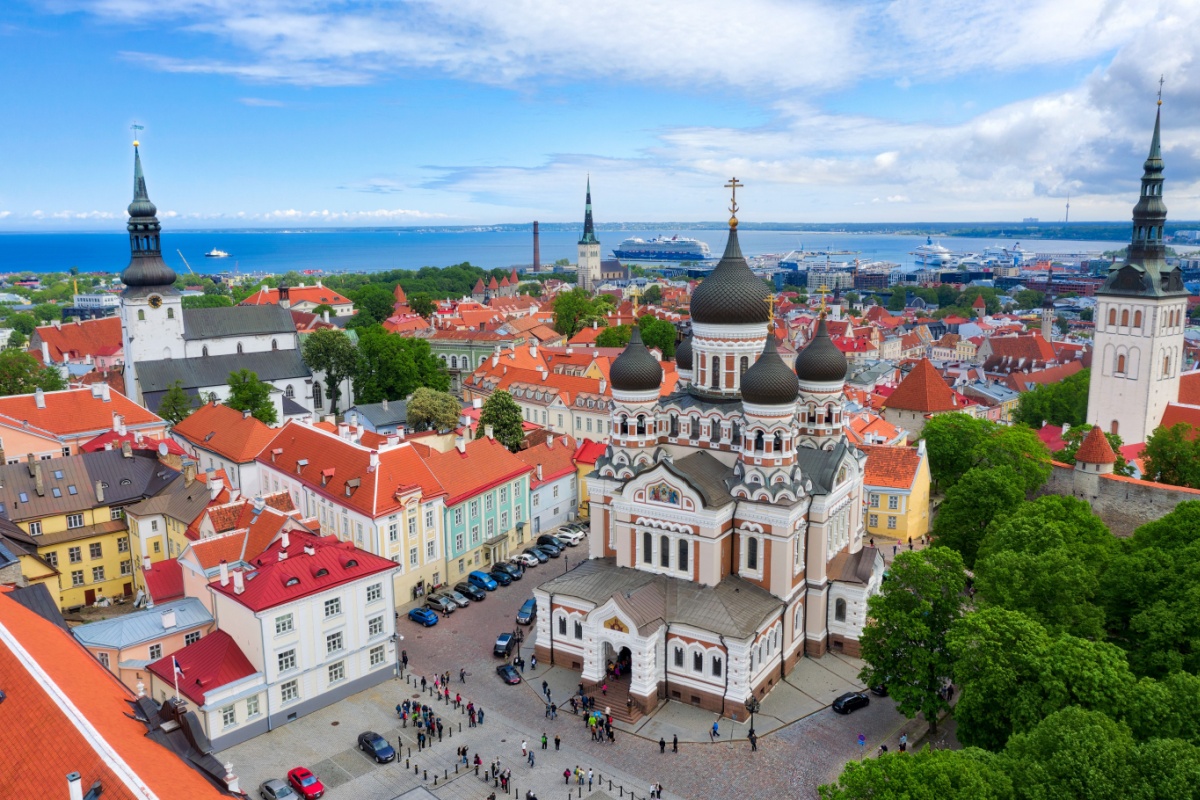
[(821, 361), (769, 382), (636, 370), (732, 294), (683, 355)]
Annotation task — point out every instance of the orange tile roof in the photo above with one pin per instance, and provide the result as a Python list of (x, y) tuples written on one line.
[(1189, 388), (486, 463), (75, 340), (1024, 381), (75, 411), (225, 431), (252, 533), (923, 390), (556, 459), (298, 294), (1177, 413), (1096, 449), (891, 467), (85, 733)]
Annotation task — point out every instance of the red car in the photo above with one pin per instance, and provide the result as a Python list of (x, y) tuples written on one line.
[(304, 782)]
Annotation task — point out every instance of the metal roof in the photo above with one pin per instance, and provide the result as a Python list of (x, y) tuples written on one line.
[(177, 501), (206, 371), (215, 323), (37, 598), (396, 412), (143, 626), (818, 465), (706, 475)]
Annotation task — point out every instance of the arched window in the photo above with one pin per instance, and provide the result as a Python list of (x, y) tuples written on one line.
[(695, 429), (274, 345), (647, 547), (1112, 316), (316, 395), (623, 426), (744, 365), (673, 431), (777, 445), (1113, 428), (239, 347), (141, 315), (664, 552), (839, 610), (1166, 366), (289, 391), (714, 366), (641, 425), (683, 555), (170, 313), (1121, 364), (752, 553), (798, 621), (759, 440), (1125, 317), (204, 350), (1137, 319)]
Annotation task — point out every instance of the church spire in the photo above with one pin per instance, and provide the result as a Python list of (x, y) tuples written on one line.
[(146, 268), (589, 232), (1150, 213)]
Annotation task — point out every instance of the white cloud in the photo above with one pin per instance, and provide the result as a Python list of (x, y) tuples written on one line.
[(260, 102)]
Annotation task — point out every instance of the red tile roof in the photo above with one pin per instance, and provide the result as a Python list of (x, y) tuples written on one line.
[(1189, 388), (486, 463), (111, 440), (891, 467), (250, 535), (1051, 436), (589, 452), (923, 390), (75, 340), (56, 690), (555, 456), (75, 411), (164, 580), (210, 663), (1176, 414), (332, 563), (225, 431), (1025, 381), (297, 294), (1095, 449)]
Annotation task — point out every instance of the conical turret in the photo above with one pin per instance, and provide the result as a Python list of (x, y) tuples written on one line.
[(589, 230), (146, 268)]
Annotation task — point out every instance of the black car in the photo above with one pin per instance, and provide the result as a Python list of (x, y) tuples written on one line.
[(376, 746), (553, 541), (470, 591), (504, 645), (851, 701), (880, 691), (512, 570), (500, 577), (528, 612), (549, 549), (508, 673), (538, 553)]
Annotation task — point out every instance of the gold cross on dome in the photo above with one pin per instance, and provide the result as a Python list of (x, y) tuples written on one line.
[(770, 301), (823, 291), (733, 186)]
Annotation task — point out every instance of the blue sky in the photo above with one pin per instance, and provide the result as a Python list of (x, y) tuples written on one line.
[(299, 112)]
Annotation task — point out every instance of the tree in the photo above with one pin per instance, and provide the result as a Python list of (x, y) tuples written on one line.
[(248, 393), (1059, 403), (652, 295), (47, 312), (950, 441), (1029, 298), (896, 301), (502, 414), (1020, 449), (373, 302), (970, 506), (1087, 315), (532, 289), (21, 373), (1172, 455), (571, 310), (207, 301), (330, 351), (1074, 438), (658, 333), (1077, 754), (429, 409), (421, 303), (904, 641), (175, 405), (23, 322), (970, 774), (616, 336), (323, 309), (16, 341), (391, 367)]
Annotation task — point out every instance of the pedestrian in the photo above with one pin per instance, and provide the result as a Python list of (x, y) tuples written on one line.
[(662, 745), (604, 689), (883, 750), (439, 728), (589, 779), (753, 742), (553, 711), (545, 688), (675, 743), (480, 716), (524, 748), (872, 540), (533, 661), (894, 547), (557, 741), (547, 714), (422, 683), (404, 658), (609, 731), (462, 675), (903, 742), (531, 758), (457, 700), (545, 740), (716, 731), (566, 776), (910, 543)]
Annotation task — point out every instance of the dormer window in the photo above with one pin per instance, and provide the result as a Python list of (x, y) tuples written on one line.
[(292, 581)]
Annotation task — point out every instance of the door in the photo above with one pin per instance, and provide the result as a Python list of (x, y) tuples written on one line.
[(537, 525), (128, 589), (89, 596)]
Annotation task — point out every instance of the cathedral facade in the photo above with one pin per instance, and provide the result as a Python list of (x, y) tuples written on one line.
[(726, 518)]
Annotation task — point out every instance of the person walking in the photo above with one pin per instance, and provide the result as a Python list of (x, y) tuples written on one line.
[(553, 711), (716, 731), (662, 745), (675, 743), (533, 661), (524, 748), (462, 674), (546, 689), (422, 683), (753, 742), (404, 658), (903, 742), (567, 776), (545, 740), (531, 758), (480, 715), (589, 779), (557, 741)]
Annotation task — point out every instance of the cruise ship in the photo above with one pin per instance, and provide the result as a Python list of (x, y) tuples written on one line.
[(932, 255), (215, 253), (662, 248)]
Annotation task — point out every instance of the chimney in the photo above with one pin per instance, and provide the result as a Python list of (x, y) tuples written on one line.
[(231, 781), (539, 472), (168, 619), (105, 392), (285, 296), (119, 423), (331, 419), (39, 484), (259, 504), (30, 461), (189, 473), (325, 316), (477, 402), (39, 398), (283, 555), (74, 786), (595, 324), (1066, 427), (489, 431), (215, 485), (393, 439), (239, 582), (603, 385), (309, 550), (384, 405), (495, 358), (375, 458), (344, 430), (145, 563), (921, 447), (100, 491), (537, 248), (224, 573), (126, 449), (46, 353), (550, 443), (533, 347), (246, 414), (460, 443)]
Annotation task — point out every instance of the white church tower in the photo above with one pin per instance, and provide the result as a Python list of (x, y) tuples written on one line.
[(151, 307), (1141, 311), (589, 249)]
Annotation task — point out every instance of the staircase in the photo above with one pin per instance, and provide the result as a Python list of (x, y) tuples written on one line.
[(616, 701)]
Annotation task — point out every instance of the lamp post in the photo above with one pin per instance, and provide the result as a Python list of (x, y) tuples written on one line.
[(752, 707)]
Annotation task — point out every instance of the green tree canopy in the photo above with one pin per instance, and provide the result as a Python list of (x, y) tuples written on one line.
[(971, 504), (1172, 455), (959, 442), (904, 641), (1059, 403), (330, 351), (616, 336), (248, 393), (653, 294), (23, 322), (575, 309), (1029, 298), (373, 302), (1074, 437), (21, 373), (970, 774), (391, 367), (655, 333), (429, 409), (175, 405), (322, 309), (503, 415), (421, 303)]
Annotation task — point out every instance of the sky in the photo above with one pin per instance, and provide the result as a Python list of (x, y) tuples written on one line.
[(301, 113)]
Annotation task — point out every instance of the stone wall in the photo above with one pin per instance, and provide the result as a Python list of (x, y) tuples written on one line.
[(1123, 503)]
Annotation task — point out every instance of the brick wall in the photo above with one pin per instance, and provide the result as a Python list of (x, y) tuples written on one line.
[(1124, 505)]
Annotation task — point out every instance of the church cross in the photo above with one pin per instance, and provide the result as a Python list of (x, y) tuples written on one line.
[(770, 301), (135, 129), (823, 291), (733, 186), (1161, 78)]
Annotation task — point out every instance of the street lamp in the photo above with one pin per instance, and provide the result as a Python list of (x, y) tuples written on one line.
[(752, 706)]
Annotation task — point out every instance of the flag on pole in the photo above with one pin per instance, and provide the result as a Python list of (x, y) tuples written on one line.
[(178, 670), (175, 664)]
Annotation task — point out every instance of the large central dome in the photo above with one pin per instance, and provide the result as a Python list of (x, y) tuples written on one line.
[(732, 294)]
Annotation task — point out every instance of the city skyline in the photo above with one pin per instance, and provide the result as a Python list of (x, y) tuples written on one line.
[(265, 113)]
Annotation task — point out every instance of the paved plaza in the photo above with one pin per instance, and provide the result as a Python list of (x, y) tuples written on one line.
[(802, 742)]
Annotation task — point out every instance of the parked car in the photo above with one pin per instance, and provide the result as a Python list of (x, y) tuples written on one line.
[(537, 553), (505, 643), (513, 570), (423, 616), (275, 789), (470, 590), (481, 580), (508, 673), (456, 597), (500, 577), (439, 603), (376, 746), (571, 534), (527, 613), (526, 559), (549, 539), (851, 701), (305, 783), (880, 690), (548, 550)]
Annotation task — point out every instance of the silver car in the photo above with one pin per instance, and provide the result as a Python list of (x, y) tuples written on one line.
[(457, 598), (275, 789), (439, 603)]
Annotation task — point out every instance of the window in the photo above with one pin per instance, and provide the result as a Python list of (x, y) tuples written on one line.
[(393, 531), (752, 553), (458, 516), (374, 592), (123, 544), (290, 691), (504, 519), (103, 659), (229, 716), (716, 666), (413, 556), (647, 547), (683, 556), (1125, 316), (412, 525), (74, 520), (474, 509), (491, 528), (157, 547), (337, 672), (375, 626), (113, 513), (487, 502), (474, 535), (252, 706), (1137, 319), (35, 529), (504, 493), (874, 500), (97, 574), (154, 526), (697, 662), (679, 657), (893, 502), (333, 607), (578, 629), (95, 550), (1120, 365), (170, 313), (429, 518), (283, 624), (430, 550), (459, 542), (376, 656), (141, 315), (562, 626), (891, 523), (126, 568), (155, 652), (77, 578), (873, 520), (75, 554), (191, 638), (52, 559), (839, 610)]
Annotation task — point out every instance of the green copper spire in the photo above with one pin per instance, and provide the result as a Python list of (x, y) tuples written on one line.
[(589, 232), (146, 271)]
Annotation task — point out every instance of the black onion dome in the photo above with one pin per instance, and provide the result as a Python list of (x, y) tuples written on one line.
[(732, 294), (769, 382), (636, 370), (683, 355), (821, 361)]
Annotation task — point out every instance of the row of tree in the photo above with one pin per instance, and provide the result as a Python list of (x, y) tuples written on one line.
[(382, 366)]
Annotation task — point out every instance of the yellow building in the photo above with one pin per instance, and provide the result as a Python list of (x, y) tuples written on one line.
[(72, 511), (585, 463), (896, 486)]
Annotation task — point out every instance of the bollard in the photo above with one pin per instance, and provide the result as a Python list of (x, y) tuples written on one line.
[(426, 775), (451, 734), (435, 780), (406, 764), (410, 752), (446, 772), (416, 769)]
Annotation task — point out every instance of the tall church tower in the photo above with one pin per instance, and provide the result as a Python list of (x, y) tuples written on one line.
[(1140, 317), (151, 308), (1048, 305), (589, 248)]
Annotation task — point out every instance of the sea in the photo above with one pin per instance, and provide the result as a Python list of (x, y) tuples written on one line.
[(359, 250)]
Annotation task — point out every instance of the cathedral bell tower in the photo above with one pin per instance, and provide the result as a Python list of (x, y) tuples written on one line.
[(636, 379), (151, 308), (768, 446), (821, 371)]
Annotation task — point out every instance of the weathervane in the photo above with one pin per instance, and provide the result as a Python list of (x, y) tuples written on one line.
[(1161, 78), (733, 206), (135, 128)]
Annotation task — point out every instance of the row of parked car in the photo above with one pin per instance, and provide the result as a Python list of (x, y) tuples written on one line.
[(302, 783)]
